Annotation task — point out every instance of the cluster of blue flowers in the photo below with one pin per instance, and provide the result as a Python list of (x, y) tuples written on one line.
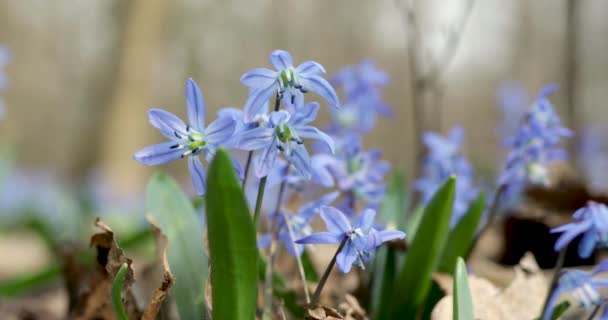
[(5, 58), (276, 139), (443, 160)]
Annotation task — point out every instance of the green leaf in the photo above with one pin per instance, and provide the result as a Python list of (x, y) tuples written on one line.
[(174, 214), (413, 222), (463, 303), (424, 253), (116, 292), (383, 279), (232, 243), (392, 210), (559, 310), (460, 239)]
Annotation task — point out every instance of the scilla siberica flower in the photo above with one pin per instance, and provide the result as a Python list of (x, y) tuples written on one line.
[(299, 224), (583, 286), (443, 160), (284, 134), (187, 140), (361, 238), (287, 82), (592, 223), (5, 57), (535, 145)]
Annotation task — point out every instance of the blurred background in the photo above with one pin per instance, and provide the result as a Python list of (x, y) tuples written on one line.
[(82, 75)]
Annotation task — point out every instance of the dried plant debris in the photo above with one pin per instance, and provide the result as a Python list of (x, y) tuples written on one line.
[(521, 299), (320, 312), (161, 294), (92, 298), (352, 309)]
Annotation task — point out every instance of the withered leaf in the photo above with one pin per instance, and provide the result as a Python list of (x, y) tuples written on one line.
[(320, 312), (162, 292)]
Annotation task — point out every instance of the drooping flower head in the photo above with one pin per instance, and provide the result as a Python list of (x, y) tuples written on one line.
[(284, 134), (188, 140), (535, 145), (299, 224), (361, 84), (592, 223), (443, 160), (357, 172), (583, 286), (287, 81), (361, 238)]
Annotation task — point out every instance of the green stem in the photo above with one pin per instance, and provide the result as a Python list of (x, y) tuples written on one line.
[(491, 217), (247, 165), (556, 273), (292, 239), (317, 294), (596, 310), (117, 284), (258, 202)]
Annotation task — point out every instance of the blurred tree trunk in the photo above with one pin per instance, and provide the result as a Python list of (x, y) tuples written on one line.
[(126, 123)]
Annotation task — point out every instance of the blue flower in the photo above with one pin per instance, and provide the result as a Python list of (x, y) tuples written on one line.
[(443, 160), (5, 57), (299, 224), (583, 286), (287, 81), (592, 223), (535, 145), (512, 100), (189, 140), (358, 172), (284, 134), (361, 238)]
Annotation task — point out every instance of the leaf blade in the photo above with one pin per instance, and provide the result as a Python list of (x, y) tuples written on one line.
[(463, 302), (116, 292)]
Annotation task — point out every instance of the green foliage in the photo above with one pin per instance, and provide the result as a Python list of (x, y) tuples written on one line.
[(116, 293), (463, 303), (392, 210), (173, 211), (424, 253), (232, 243), (461, 237)]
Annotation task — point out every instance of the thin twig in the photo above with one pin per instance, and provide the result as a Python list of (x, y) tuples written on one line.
[(596, 310), (298, 259), (317, 294)]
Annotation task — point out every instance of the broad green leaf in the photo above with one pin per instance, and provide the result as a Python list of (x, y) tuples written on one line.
[(116, 293), (383, 279), (463, 303), (461, 237), (392, 210), (232, 243), (174, 214), (413, 222), (424, 253), (559, 310)]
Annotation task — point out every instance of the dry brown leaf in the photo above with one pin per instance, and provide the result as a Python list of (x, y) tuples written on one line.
[(92, 300), (352, 309), (320, 312), (522, 299), (162, 292)]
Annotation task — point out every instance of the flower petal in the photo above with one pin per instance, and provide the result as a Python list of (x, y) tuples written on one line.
[(264, 241), (198, 174), (294, 249), (168, 123), (259, 78), (335, 220), (279, 117), (255, 138), (265, 160), (310, 68), (305, 114), (311, 132), (158, 154), (257, 101), (388, 235), (366, 219), (195, 104), (300, 159), (587, 244), (346, 257), (321, 238), (280, 59), (220, 130), (321, 87)]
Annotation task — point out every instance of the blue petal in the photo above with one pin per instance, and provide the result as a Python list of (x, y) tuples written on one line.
[(279, 117), (259, 78), (293, 99), (321, 87), (167, 123), (280, 59), (257, 100), (366, 219), (587, 244), (388, 235), (240, 173), (304, 115), (346, 257), (570, 231), (314, 133), (158, 154), (220, 130), (601, 267), (256, 138), (321, 238), (335, 220), (199, 176), (320, 174), (265, 160), (300, 159), (310, 68), (308, 211), (294, 249), (264, 241), (195, 104)]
